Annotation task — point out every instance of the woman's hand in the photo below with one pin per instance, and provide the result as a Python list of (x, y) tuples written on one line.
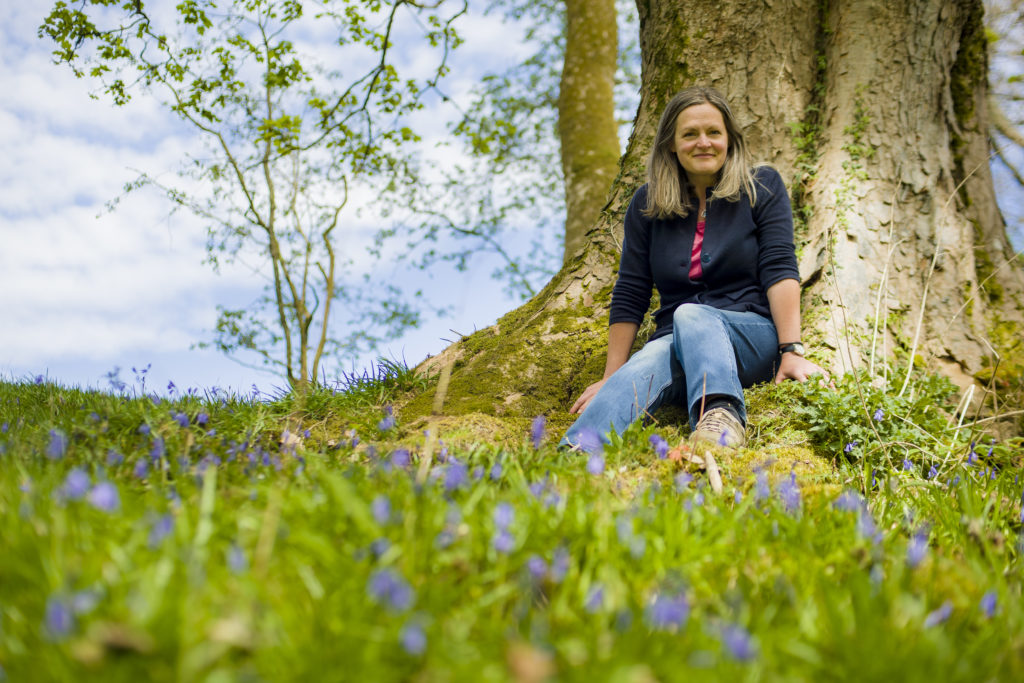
[(797, 367), (588, 394)]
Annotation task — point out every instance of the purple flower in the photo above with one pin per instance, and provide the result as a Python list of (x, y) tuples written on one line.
[(848, 448), (59, 619), (77, 484), (381, 509), (537, 567), (389, 420), (738, 643), (236, 559), (761, 490), (938, 616), (413, 640), (907, 465), (595, 464), (879, 415), (170, 387), (682, 481), (401, 458), (444, 539), (589, 440), (58, 445), (789, 492), (160, 530), (181, 419), (849, 501), (503, 515), (387, 587), (504, 542), (559, 565), (932, 472), (667, 612), (141, 468), (456, 474), (595, 599), (379, 547), (537, 430), (660, 446), (143, 429), (988, 604), (496, 472), (114, 458), (159, 449), (104, 497), (202, 419), (917, 549), (866, 527)]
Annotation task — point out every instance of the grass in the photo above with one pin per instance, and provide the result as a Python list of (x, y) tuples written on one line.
[(294, 540)]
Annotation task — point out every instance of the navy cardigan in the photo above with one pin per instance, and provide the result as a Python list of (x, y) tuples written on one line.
[(746, 250)]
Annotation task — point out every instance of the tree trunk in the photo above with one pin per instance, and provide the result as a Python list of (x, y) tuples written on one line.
[(586, 115), (875, 114)]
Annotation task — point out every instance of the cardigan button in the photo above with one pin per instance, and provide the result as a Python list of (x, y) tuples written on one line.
[(705, 258)]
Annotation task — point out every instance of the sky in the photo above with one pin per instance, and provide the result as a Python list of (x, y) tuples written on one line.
[(86, 291)]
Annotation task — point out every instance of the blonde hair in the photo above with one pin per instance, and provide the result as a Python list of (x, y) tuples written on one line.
[(668, 186)]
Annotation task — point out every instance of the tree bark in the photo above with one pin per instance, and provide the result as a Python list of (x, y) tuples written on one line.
[(586, 115), (875, 113)]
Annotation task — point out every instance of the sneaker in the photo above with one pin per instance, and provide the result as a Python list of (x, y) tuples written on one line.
[(720, 427)]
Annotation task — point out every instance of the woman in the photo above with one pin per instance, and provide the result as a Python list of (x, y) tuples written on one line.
[(714, 233)]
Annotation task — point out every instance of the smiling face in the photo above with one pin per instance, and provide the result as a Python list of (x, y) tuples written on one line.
[(701, 143)]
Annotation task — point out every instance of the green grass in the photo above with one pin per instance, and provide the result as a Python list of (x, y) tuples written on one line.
[(240, 554)]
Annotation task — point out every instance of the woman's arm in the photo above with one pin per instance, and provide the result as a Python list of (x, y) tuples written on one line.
[(620, 340), (784, 301)]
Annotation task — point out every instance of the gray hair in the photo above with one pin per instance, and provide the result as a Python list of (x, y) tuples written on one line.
[(668, 187)]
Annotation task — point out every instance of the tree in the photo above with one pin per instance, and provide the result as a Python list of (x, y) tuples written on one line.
[(287, 144), (876, 115)]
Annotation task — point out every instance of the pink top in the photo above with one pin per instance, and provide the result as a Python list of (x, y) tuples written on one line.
[(696, 272)]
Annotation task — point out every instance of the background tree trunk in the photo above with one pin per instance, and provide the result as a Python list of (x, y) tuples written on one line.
[(586, 115), (874, 112)]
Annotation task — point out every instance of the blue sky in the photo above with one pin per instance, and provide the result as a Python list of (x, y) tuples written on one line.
[(86, 291)]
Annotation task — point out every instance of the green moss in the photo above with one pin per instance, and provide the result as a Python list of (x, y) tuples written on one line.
[(969, 70)]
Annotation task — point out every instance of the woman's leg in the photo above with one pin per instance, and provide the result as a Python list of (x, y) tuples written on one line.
[(649, 378), (721, 352)]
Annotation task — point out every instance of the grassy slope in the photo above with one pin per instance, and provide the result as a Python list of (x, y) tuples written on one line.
[(235, 556)]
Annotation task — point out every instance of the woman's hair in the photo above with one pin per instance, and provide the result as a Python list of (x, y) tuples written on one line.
[(668, 187)]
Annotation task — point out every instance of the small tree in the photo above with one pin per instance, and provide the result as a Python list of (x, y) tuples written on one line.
[(287, 142)]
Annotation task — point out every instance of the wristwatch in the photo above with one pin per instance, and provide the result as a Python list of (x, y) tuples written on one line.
[(792, 347)]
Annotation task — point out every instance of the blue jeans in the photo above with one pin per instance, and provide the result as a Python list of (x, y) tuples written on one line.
[(710, 352)]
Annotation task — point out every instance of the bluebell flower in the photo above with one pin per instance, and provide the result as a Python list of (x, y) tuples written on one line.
[(972, 457), (236, 559), (58, 445), (381, 509), (59, 620), (789, 492), (667, 612), (537, 489), (537, 431), (503, 542), (181, 419), (114, 458), (682, 481), (387, 587), (848, 448), (917, 549), (595, 464), (4, 427), (40, 379), (537, 567), (932, 472), (444, 539), (160, 530), (141, 468), (849, 501), (171, 388), (698, 498), (595, 599), (879, 415), (761, 490), (104, 497), (559, 565), (412, 638), (496, 472), (401, 458), (77, 484), (738, 643), (144, 429), (504, 514), (85, 601), (159, 449), (589, 440), (478, 473), (660, 446), (389, 420), (988, 603), (877, 574), (455, 475), (380, 546), (939, 615), (867, 528), (202, 419), (907, 465), (737, 497)]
